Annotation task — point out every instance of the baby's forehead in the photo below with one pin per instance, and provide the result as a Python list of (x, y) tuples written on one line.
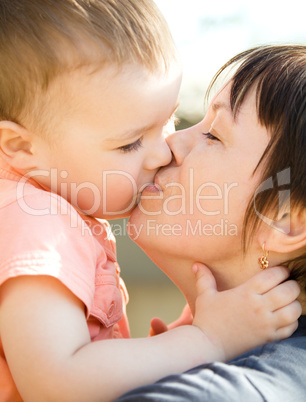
[(43, 39)]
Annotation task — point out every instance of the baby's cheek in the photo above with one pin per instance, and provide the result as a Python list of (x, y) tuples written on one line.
[(119, 193), (86, 197)]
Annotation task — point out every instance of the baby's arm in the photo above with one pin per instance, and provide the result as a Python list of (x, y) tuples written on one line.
[(47, 345)]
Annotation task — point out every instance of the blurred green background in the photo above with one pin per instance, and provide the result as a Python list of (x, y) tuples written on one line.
[(207, 34)]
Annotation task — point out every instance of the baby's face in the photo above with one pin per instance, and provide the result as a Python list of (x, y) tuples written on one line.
[(111, 135)]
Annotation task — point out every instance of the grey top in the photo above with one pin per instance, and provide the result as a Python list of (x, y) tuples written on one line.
[(274, 372)]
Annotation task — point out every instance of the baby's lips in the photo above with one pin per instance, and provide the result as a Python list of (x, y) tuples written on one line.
[(153, 188)]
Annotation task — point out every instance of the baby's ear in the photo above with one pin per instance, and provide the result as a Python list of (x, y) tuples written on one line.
[(288, 234), (16, 145)]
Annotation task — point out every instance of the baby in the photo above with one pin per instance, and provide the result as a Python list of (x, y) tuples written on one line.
[(88, 93)]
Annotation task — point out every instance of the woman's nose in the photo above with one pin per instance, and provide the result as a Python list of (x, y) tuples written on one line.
[(180, 143)]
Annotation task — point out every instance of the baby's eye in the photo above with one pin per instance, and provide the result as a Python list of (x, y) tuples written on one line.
[(211, 137), (131, 147)]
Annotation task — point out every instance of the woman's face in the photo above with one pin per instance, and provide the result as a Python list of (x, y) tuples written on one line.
[(196, 208)]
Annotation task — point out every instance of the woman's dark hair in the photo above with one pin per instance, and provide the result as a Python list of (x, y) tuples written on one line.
[(279, 75)]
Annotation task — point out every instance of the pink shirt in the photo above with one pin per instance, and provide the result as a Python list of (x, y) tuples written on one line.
[(42, 234)]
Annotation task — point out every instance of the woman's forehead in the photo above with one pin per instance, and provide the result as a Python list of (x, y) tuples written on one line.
[(222, 96)]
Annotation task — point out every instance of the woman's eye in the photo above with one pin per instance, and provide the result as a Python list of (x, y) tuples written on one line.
[(131, 147), (211, 137)]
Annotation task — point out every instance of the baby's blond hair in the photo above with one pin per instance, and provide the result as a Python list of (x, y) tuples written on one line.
[(42, 39)]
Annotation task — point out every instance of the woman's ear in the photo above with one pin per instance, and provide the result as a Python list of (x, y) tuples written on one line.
[(16, 145), (287, 234)]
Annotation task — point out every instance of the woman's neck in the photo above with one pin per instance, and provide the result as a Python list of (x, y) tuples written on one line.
[(180, 272), (228, 274)]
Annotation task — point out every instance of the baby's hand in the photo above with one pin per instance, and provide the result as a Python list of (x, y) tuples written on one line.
[(261, 310)]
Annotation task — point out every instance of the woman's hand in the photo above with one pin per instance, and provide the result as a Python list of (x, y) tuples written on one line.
[(261, 310), (158, 326)]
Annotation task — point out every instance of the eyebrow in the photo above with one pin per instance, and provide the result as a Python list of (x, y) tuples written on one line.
[(128, 135), (221, 105), (133, 133)]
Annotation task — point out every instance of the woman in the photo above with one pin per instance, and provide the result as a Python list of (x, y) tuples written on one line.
[(235, 193)]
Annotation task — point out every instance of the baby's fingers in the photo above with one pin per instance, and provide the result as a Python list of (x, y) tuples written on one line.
[(285, 332), (205, 279), (282, 295), (286, 319), (268, 279)]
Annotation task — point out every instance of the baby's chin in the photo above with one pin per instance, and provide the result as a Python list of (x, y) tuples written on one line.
[(123, 211), (111, 215)]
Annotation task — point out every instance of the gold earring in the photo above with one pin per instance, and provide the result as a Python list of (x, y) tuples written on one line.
[(263, 260)]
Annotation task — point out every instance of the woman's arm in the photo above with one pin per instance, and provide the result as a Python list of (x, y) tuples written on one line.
[(47, 344)]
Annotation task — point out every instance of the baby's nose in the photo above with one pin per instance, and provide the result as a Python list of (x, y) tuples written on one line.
[(159, 156)]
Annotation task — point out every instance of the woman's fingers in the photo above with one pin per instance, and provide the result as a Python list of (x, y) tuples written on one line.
[(158, 326), (185, 318), (282, 295), (268, 279)]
